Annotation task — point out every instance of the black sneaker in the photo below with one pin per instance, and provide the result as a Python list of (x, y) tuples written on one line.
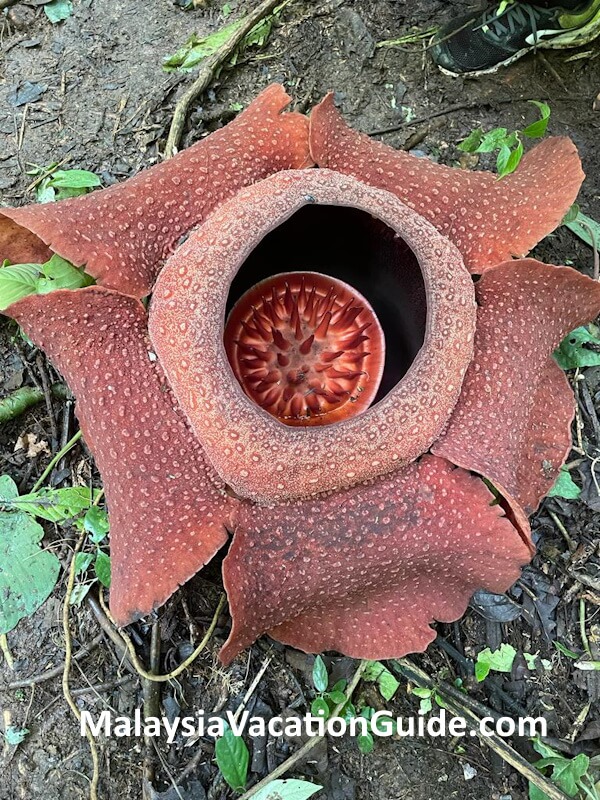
[(477, 44)]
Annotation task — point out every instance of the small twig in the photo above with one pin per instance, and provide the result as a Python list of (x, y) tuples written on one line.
[(71, 443), (150, 676), (46, 173), (252, 687), (190, 768), (56, 671), (552, 71), (208, 69), (565, 533), (67, 668), (442, 112), (301, 754), (5, 649), (103, 687), (496, 743), (151, 692), (28, 365), (582, 631), (48, 398), (67, 417)]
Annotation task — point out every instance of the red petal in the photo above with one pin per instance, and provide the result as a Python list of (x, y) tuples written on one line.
[(20, 246), (512, 422), (123, 234), (364, 571), (167, 508), (489, 220), (253, 452)]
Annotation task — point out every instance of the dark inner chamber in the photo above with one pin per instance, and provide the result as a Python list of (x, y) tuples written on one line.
[(354, 247)]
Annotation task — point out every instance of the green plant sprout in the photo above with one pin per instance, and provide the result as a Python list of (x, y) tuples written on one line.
[(28, 570), (509, 146), (197, 48), (571, 775), (20, 280), (53, 184), (326, 701)]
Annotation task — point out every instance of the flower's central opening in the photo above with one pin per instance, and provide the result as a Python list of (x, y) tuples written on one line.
[(306, 347), (351, 283)]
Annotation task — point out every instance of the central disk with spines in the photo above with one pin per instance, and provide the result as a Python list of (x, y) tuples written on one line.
[(306, 347)]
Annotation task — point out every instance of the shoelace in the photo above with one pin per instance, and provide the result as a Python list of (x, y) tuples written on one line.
[(507, 18)]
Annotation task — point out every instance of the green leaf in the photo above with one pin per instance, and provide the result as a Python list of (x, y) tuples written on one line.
[(62, 194), (565, 651), (502, 159), (60, 274), (583, 226), (15, 736), (83, 561), (336, 697), (8, 488), (482, 670), (492, 140), (581, 348), (571, 214), (425, 705), (63, 183), (289, 789), (420, 691), (259, 34), (500, 660), (79, 593), (387, 684), (232, 759), (319, 675), (472, 142), (319, 708), (536, 794), (530, 659), (538, 128), (508, 164), (566, 772), (58, 10), (565, 486), (102, 569), (28, 574), (96, 523), (544, 750), (55, 505), (17, 281), (74, 179), (366, 743), (196, 49), (20, 280), (45, 193)]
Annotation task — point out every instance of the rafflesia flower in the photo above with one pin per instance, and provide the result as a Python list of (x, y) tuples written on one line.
[(319, 373)]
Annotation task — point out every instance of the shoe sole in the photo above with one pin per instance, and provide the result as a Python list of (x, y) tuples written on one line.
[(574, 38)]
